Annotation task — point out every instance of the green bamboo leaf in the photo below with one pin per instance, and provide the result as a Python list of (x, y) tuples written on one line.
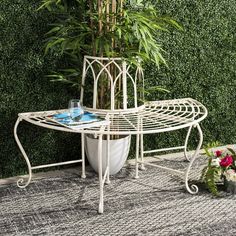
[(53, 44), (53, 30), (45, 4), (158, 88)]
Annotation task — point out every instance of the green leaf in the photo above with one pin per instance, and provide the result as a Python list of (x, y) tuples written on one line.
[(210, 181), (232, 151), (53, 30), (53, 44), (157, 88)]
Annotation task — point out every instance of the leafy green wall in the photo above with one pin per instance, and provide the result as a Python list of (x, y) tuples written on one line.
[(201, 59), (23, 88), (202, 62)]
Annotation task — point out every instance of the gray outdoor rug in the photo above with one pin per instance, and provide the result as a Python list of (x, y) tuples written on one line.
[(155, 204)]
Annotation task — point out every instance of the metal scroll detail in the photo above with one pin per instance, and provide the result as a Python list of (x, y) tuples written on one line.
[(193, 189), (20, 182), (186, 144)]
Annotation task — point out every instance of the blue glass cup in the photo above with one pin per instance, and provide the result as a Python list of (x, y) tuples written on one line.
[(75, 109)]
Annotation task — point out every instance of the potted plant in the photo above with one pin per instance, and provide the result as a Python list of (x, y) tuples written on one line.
[(127, 29), (220, 170)]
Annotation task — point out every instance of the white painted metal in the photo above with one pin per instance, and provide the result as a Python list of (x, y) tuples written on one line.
[(21, 181), (105, 176), (157, 117), (164, 149), (137, 151), (55, 164), (101, 182), (152, 117), (186, 144), (193, 189), (101, 178), (141, 146), (137, 157), (99, 66), (108, 154), (83, 175), (40, 119), (162, 167)]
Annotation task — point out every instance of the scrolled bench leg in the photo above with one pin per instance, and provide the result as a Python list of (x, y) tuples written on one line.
[(142, 167), (100, 176), (20, 182), (186, 144), (108, 157), (137, 157), (83, 175), (193, 189)]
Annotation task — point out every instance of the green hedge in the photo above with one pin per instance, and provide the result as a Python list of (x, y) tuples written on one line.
[(202, 62), (24, 88), (201, 59)]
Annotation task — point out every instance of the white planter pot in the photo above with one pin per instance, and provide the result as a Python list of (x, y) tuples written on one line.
[(119, 150)]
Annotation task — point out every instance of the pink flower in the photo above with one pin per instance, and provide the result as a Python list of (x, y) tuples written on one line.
[(226, 161), (218, 153)]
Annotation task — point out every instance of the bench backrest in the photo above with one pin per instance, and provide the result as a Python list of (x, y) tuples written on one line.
[(116, 80)]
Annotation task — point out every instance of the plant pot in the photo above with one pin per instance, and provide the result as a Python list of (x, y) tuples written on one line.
[(230, 186), (119, 150)]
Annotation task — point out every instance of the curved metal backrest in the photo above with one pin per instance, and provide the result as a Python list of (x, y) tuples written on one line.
[(119, 75)]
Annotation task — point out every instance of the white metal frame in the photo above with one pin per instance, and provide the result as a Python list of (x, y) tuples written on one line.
[(152, 117), (149, 118), (41, 119), (123, 73)]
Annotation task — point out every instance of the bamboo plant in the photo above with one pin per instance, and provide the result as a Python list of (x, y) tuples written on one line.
[(110, 28)]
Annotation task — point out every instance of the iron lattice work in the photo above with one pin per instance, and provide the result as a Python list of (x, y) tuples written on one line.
[(151, 117)]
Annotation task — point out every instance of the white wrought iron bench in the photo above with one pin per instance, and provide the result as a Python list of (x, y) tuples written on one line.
[(41, 119), (149, 118)]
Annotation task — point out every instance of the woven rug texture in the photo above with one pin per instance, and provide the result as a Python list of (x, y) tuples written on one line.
[(155, 204)]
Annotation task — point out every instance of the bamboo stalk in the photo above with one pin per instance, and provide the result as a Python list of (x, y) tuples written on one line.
[(101, 94), (113, 8), (92, 26), (121, 4), (108, 14), (100, 16), (108, 29), (110, 8), (121, 7), (113, 20)]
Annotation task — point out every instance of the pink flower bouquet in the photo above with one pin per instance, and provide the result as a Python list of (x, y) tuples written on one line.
[(221, 168)]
